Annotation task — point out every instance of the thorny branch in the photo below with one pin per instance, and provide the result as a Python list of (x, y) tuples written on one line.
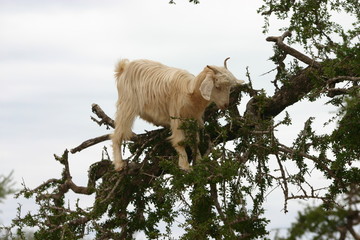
[(317, 160), (321, 162), (283, 185)]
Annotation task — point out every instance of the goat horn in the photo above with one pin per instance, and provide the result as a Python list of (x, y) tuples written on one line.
[(225, 62), (212, 68)]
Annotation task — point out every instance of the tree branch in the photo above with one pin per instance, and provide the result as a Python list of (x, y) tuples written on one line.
[(342, 78), (294, 90), (332, 92), (90, 142), (293, 52), (105, 119), (318, 161)]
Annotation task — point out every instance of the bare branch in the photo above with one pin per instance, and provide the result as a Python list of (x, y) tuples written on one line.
[(284, 185), (90, 142), (293, 52), (67, 181), (105, 119)]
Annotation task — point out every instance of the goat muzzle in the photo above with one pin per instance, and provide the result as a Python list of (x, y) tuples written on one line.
[(225, 106)]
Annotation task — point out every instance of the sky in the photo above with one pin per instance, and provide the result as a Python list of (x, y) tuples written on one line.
[(57, 59)]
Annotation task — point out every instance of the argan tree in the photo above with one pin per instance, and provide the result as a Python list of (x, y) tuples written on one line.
[(223, 196)]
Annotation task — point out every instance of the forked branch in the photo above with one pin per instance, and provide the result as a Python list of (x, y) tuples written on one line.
[(293, 52)]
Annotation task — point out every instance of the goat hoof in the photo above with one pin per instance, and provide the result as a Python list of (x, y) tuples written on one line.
[(119, 169), (119, 166), (187, 170)]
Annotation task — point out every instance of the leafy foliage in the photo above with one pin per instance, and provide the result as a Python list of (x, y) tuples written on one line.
[(242, 158), (6, 186), (315, 22)]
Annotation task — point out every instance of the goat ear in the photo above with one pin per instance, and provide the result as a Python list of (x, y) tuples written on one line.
[(239, 82), (206, 87)]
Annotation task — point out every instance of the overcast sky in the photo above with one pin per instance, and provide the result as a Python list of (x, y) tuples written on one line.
[(58, 57)]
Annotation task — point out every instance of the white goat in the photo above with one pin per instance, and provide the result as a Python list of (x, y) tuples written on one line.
[(163, 95)]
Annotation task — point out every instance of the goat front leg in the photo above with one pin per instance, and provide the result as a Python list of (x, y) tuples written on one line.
[(183, 159), (176, 138), (119, 164)]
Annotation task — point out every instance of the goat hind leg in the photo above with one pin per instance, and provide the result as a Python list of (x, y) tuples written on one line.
[(124, 120), (198, 156)]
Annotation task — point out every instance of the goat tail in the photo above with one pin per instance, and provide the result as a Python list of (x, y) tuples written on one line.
[(120, 67)]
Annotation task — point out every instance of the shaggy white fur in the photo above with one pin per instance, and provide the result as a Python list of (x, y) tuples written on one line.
[(162, 95)]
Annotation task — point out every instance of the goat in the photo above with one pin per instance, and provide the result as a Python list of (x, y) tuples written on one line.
[(163, 95)]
